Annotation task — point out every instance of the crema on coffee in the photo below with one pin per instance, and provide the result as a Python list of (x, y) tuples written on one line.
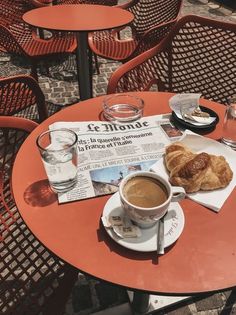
[(145, 192)]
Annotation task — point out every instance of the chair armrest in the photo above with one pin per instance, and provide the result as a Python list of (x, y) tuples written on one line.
[(21, 123), (40, 3), (135, 75), (126, 5)]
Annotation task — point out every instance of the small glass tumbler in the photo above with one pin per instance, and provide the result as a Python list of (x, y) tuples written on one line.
[(123, 108), (58, 149), (229, 126)]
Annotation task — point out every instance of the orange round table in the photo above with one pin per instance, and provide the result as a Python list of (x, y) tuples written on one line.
[(81, 19), (203, 259)]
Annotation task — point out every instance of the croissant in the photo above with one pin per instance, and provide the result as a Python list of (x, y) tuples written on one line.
[(196, 172)]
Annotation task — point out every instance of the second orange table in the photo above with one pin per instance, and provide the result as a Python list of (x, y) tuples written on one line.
[(79, 18)]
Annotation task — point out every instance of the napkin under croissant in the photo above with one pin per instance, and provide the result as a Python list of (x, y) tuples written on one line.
[(194, 171)]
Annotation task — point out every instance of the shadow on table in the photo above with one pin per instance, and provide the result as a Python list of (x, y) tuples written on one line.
[(128, 253), (40, 194)]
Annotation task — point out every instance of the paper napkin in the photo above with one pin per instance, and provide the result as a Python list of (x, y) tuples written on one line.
[(184, 104), (211, 199)]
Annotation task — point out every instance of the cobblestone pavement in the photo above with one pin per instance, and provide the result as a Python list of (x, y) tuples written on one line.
[(61, 88)]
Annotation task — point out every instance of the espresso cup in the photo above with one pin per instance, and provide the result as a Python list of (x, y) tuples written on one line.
[(146, 196)]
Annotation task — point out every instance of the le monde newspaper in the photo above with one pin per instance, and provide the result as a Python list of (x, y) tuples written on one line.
[(108, 152)]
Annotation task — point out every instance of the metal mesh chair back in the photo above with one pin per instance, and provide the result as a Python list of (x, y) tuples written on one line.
[(198, 56), (101, 2), (18, 37), (21, 95), (12, 11), (148, 13), (152, 21), (33, 280)]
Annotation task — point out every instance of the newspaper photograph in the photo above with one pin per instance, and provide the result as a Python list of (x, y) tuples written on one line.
[(107, 152)]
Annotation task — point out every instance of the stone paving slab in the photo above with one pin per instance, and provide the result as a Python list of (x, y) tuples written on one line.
[(90, 295)]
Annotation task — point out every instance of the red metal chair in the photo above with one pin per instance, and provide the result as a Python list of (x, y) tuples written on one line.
[(198, 56), (22, 96), (33, 280), (19, 38), (148, 16), (101, 2), (38, 3)]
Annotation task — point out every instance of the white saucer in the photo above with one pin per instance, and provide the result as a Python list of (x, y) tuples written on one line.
[(147, 242)]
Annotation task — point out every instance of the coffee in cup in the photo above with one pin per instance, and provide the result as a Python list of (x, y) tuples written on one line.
[(146, 196), (145, 192)]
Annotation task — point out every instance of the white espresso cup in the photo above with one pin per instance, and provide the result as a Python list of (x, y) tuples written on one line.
[(146, 196)]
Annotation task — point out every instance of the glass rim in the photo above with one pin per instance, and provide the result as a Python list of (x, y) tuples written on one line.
[(55, 130), (111, 96)]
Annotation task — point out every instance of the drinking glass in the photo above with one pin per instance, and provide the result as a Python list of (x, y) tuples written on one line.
[(229, 126), (123, 108), (58, 149)]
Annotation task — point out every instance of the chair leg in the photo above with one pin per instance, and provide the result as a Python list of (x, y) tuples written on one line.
[(45, 67), (96, 63), (41, 33), (34, 73), (90, 59)]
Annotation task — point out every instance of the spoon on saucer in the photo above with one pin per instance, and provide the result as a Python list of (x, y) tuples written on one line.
[(160, 235)]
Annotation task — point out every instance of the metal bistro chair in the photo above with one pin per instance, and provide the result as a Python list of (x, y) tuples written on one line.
[(22, 96), (101, 2), (197, 56), (33, 281), (148, 28), (18, 37), (38, 3)]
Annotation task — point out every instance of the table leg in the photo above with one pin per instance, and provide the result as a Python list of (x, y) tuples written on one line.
[(85, 84), (140, 303)]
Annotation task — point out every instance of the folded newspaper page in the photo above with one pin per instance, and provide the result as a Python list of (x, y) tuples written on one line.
[(108, 152)]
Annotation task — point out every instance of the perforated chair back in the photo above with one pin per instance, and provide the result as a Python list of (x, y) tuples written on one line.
[(149, 13), (33, 280), (152, 21), (12, 11), (101, 2), (18, 37), (22, 96), (198, 56)]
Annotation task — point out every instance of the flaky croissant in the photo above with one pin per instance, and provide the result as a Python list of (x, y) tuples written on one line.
[(196, 172)]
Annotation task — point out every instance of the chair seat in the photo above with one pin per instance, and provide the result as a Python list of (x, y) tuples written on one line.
[(35, 47), (38, 48), (107, 44)]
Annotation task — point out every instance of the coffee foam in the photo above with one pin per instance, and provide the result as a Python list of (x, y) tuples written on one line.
[(145, 192)]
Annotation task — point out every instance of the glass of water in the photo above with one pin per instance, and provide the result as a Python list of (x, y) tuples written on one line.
[(229, 126), (58, 149)]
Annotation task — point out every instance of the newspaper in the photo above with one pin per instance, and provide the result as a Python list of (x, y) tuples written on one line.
[(108, 152)]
